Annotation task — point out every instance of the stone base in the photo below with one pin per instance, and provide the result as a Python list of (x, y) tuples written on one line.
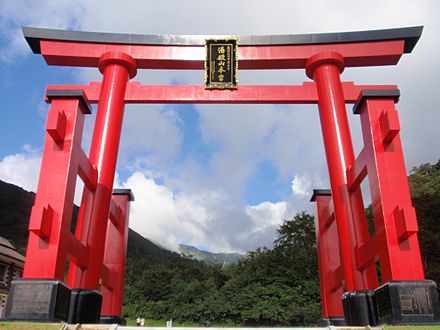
[(336, 321), (38, 300), (112, 320), (85, 306), (408, 302), (359, 308)]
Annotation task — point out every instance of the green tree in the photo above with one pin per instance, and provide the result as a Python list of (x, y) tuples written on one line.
[(425, 192), (270, 287)]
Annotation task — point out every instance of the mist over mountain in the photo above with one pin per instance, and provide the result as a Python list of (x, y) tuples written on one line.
[(209, 257)]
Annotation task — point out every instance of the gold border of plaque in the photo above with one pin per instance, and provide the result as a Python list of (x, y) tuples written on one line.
[(221, 63)]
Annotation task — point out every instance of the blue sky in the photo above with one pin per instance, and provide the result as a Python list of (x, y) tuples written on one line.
[(221, 177)]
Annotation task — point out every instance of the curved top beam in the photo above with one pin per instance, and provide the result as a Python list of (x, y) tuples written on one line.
[(409, 34)]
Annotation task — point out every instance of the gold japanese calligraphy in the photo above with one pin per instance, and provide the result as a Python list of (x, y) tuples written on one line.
[(221, 64)]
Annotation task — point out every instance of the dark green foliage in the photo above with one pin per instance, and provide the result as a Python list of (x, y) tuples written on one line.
[(276, 286), (425, 191), (15, 210)]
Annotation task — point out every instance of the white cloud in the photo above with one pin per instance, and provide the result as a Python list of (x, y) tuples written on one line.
[(150, 133), (301, 186), (266, 215), (14, 14), (22, 169), (203, 219), (168, 218)]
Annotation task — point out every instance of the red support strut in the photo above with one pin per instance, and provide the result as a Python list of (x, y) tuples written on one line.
[(63, 159), (395, 237), (331, 275), (115, 255)]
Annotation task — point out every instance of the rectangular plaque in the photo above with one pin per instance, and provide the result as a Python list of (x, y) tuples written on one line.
[(221, 64), (415, 301), (45, 300), (408, 302)]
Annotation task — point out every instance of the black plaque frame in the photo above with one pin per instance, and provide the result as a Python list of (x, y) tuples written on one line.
[(221, 63)]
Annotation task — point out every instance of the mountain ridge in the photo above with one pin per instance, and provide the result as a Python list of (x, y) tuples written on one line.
[(209, 257)]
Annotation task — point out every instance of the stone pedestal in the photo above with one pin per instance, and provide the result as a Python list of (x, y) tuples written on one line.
[(359, 308), (408, 302), (336, 321), (85, 306), (38, 300), (112, 320)]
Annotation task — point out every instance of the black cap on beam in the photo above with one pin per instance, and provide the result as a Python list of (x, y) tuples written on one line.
[(410, 34), (320, 192), (375, 94), (70, 93), (127, 192)]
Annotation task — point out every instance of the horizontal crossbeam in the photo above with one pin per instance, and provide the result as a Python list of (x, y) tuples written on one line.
[(360, 48), (245, 94)]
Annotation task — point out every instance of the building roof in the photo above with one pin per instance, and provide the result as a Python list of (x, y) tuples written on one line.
[(8, 254)]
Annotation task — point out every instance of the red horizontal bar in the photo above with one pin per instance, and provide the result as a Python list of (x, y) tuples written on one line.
[(246, 94), (78, 251), (355, 54), (358, 171)]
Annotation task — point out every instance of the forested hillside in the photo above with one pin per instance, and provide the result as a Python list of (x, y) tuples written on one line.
[(276, 286), (425, 192)]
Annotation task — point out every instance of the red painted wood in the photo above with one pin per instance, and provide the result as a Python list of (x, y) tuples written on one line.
[(116, 69), (325, 69), (329, 260), (49, 231), (114, 259), (250, 57), (246, 94), (395, 240)]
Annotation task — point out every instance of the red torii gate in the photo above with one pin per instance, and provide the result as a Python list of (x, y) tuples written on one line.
[(118, 57)]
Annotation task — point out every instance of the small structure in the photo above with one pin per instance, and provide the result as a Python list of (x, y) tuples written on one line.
[(11, 268)]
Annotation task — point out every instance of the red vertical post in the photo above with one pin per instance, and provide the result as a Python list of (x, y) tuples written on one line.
[(117, 69), (329, 259), (394, 217), (115, 256), (325, 69), (49, 226)]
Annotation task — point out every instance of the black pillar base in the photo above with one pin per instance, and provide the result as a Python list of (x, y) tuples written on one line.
[(38, 300), (408, 302), (85, 306), (337, 321), (108, 319), (359, 308)]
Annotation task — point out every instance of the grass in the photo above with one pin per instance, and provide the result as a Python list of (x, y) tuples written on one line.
[(412, 327), (29, 326), (162, 323)]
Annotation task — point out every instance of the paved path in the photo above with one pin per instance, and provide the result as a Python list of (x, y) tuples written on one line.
[(119, 327)]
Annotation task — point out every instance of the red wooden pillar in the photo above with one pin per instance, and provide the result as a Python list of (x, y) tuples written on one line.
[(115, 256), (50, 239), (331, 275), (325, 69), (117, 69), (395, 240)]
